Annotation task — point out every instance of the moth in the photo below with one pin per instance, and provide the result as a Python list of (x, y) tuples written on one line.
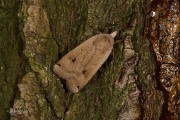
[(79, 65)]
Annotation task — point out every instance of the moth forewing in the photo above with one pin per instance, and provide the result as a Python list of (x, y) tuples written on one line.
[(79, 65)]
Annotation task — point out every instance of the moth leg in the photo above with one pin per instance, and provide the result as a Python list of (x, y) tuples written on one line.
[(71, 85)]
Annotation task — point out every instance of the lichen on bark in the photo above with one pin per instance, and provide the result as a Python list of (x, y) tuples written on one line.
[(38, 87)]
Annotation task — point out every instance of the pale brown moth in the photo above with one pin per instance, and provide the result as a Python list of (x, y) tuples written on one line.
[(79, 65)]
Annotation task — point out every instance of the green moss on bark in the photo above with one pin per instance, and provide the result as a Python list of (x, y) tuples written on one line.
[(10, 55)]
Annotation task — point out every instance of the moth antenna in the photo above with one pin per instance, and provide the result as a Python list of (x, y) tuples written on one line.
[(118, 41), (113, 34)]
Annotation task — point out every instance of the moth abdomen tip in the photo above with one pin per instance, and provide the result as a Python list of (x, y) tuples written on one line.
[(113, 34)]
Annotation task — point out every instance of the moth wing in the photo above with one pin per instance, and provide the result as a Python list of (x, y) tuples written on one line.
[(103, 48), (71, 65), (80, 64)]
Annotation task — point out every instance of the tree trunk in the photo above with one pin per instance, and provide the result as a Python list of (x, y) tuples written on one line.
[(35, 34)]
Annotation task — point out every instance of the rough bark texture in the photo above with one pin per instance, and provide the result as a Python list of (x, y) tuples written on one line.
[(34, 34)]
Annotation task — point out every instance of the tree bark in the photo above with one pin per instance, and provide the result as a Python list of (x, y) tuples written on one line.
[(35, 34)]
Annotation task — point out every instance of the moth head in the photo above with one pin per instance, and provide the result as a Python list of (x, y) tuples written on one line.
[(55, 69), (58, 70)]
